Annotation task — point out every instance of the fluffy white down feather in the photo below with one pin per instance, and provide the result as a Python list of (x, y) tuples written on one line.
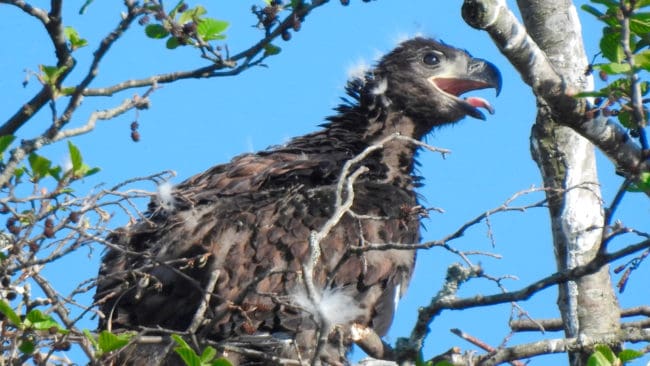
[(165, 197), (338, 306)]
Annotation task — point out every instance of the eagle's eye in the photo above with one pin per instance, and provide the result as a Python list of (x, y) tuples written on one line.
[(431, 59)]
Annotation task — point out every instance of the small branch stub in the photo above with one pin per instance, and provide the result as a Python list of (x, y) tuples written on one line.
[(479, 14)]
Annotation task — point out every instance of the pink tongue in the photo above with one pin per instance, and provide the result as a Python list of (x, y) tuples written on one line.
[(480, 103)]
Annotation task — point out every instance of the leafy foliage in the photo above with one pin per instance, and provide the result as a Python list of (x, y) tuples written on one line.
[(74, 39), (604, 356), (184, 26), (626, 56), (207, 358), (27, 326), (9, 312)]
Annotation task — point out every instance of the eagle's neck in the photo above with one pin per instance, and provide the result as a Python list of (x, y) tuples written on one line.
[(397, 154), (394, 162), (367, 118)]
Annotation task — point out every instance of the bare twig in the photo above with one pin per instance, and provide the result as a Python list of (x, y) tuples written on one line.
[(477, 342), (200, 312), (556, 325), (442, 302)]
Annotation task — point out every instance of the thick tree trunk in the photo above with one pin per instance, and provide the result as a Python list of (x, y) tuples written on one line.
[(566, 160)]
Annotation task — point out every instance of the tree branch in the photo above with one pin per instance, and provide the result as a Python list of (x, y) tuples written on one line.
[(249, 58), (47, 137), (535, 69), (54, 27), (456, 275), (555, 325), (38, 13), (549, 346)]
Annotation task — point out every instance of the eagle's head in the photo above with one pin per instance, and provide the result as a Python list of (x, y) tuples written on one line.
[(425, 79)]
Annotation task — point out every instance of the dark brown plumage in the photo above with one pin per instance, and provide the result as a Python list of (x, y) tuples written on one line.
[(248, 223)]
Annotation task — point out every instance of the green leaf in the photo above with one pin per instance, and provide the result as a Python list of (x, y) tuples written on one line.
[(610, 16), (108, 341), (625, 118), (271, 50), (188, 355), (67, 90), (91, 171), (608, 3), (91, 338), (172, 13), (627, 355), (614, 68), (75, 156), (210, 29), (27, 347), (172, 43), (642, 59), (19, 172), (607, 352), (640, 23), (73, 37), (39, 165), (6, 309), (35, 316), (593, 94), (156, 31), (186, 352), (592, 10), (610, 45), (35, 319), (641, 3), (26, 217), (181, 342), (643, 42), (5, 141), (79, 169), (208, 354), (221, 361), (56, 172), (186, 17), (598, 359), (642, 185), (193, 14), (51, 74)]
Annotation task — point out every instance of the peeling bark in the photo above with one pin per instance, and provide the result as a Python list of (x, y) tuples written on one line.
[(550, 56)]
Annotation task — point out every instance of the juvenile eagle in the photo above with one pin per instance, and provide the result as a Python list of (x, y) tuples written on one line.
[(241, 231)]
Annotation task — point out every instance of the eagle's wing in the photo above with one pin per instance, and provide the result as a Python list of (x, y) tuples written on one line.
[(249, 224)]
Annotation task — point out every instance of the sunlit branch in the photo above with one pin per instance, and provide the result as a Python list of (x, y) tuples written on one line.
[(536, 70), (440, 303)]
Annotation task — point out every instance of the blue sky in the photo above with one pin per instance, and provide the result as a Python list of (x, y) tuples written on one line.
[(195, 124)]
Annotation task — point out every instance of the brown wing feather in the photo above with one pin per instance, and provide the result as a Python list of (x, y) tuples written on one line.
[(256, 239)]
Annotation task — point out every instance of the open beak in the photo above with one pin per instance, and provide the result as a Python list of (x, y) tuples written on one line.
[(479, 74)]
